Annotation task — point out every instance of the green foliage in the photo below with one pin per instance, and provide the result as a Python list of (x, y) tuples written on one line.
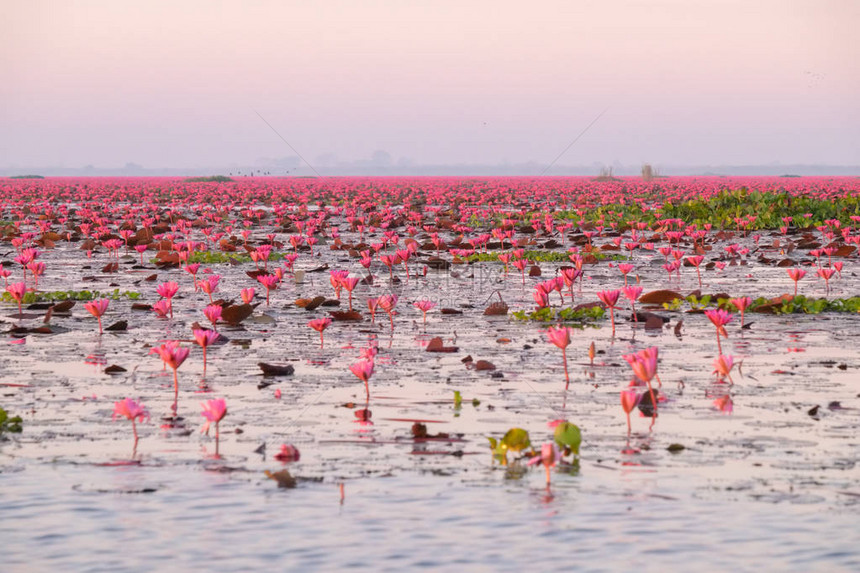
[(79, 295), (218, 257), (458, 399), (11, 425), (569, 436), (27, 177), (565, 315), (516, 440), (210, 179), (545, 257), (798, 305), (768, 207)]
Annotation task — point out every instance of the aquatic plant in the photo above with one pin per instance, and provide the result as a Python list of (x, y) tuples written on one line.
[(172, 355), (131, 410), (214, 411), (11, 425), (97, 308), (610, 299), (561, 338), (363, 370), (720, 318), (320, 324), (424, 306), (205, 338)]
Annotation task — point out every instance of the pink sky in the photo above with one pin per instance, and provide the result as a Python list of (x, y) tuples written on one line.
[(175, 84)]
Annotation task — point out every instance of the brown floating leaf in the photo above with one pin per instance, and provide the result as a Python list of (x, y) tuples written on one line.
[(283, 477), (786, 263), (678, 328), (276, 370), (167, 257), (534, 271), (114, 369), (310, 303), (256, 273), (151, 278), (419, 430), (436, 345), (110, 268), (330, 302), (118, 326), (496, 309), (141, 306), (484, 365), (64, 306), (659, 297), (437, 263), (844, 251), (653, 322), (451, 311), (236, 313), (346, 315)]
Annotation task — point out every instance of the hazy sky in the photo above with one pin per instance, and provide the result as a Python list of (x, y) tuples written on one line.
[(175, 83)]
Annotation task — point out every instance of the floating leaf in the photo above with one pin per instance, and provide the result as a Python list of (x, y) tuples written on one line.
[(516, 439), (275, 369), (348, 315), (236, 313), (659, 297), (436, 345), (496, 309), (568, 435), (283, 478)]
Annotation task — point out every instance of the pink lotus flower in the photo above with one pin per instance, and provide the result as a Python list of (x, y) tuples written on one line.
[(561, 337), (161, 308), (629, 400), (349, 283), (696, 261), (209, 285), (363, 370), (97, 308), (720, 318), (424, 306), (826, 274), (741, 303), (796, 275), (288, 453), (214, 411), (131, 410), (173, 355), (270, 282), (610, 299), (320, 324), (212, 313), (550, 456), (167, 291), (247, 295), (17, 292), (387, 303), (204, 339)]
